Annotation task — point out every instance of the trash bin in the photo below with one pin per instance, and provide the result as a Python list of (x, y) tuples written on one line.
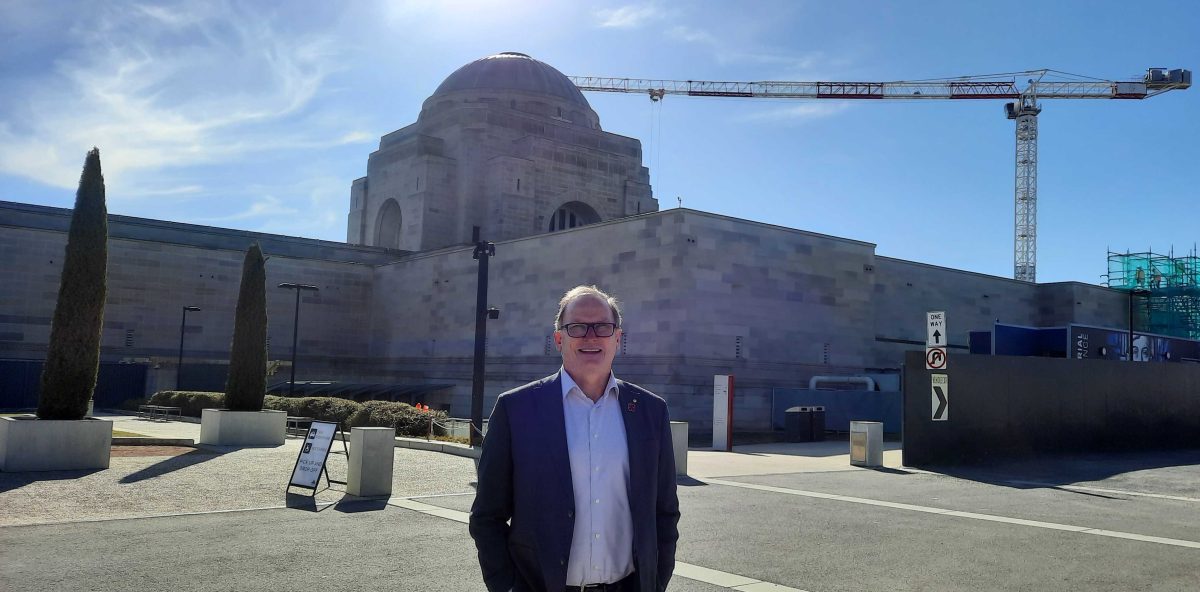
[(798, 424), (818, 423), (866, 443)]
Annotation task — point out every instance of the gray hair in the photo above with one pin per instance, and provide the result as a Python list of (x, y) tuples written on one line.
[(580, 291)]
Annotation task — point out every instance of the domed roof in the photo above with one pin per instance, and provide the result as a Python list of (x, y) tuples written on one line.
[(512, 71)]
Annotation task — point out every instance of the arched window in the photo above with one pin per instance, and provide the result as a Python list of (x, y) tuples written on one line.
[(387, 227), (573, 214)]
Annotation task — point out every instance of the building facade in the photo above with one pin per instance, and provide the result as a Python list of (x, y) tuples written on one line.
[(507, 145)]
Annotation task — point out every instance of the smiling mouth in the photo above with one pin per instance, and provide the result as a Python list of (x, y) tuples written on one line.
[(589, 350)]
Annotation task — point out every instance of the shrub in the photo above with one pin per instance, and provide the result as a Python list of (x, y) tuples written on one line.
[(247, 384), (403, 417), (73, 356), (343, 411), (190, 403)]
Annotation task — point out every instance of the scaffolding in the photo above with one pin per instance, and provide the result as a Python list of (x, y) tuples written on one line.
[(1164, 291)]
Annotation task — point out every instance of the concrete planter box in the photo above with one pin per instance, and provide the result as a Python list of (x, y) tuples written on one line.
[(221, 427), (31, 444)]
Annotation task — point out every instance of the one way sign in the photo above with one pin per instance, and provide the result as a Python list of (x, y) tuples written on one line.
[(940, 396), (935, 324)]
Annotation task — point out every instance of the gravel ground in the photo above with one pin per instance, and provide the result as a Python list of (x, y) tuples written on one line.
[(203, 480)]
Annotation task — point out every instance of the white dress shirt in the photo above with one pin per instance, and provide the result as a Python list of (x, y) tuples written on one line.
[(602, 543)]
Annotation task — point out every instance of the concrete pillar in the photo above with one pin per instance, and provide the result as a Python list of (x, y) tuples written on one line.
[(371, 453), (679, 440)]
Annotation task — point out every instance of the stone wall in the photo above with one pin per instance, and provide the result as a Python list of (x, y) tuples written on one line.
[(703, 294)]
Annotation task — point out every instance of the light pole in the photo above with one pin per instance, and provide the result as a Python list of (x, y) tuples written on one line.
[(295, 328), (179, 364), (483, 250)]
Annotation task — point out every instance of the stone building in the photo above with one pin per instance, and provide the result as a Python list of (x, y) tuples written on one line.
[(507, 145)]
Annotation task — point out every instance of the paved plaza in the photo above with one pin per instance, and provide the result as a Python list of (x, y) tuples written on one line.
[(775, 517)]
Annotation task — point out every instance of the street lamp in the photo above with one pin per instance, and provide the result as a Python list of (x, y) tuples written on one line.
[(483, 250), (295, 328), (182, 325)]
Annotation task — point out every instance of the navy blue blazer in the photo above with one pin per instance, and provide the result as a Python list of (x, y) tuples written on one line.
[(524, 510)]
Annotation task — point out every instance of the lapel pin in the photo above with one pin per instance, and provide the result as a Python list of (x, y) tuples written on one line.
[(632, 406)]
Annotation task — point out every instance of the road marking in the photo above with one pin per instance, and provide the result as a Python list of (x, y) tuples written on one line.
[(1179, 498), (684, 570), (319, 505), (971, 515)]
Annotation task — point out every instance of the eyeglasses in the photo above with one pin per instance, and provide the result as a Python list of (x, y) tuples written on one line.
[(581, 329)]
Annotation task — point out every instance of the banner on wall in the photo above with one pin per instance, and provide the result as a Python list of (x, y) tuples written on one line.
[(1113, 344)]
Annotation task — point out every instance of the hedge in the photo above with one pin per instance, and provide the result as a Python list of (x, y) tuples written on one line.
[(404, 418)]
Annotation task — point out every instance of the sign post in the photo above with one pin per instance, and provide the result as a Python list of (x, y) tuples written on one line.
[(723, 412), (935, 340)]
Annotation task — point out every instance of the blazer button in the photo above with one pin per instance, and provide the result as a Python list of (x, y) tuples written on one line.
[(562, 561), (570, 514)]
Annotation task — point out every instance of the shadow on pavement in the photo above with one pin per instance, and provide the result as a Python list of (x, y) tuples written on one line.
[(353, 505), (11, 481), (171, 464), (307, 502), (1066, 469), (685, 481)]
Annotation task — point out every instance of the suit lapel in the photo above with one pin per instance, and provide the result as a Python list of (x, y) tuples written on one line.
[(634, 439), (550, 408)]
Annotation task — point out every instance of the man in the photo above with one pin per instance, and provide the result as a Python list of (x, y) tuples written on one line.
[(577, 477)]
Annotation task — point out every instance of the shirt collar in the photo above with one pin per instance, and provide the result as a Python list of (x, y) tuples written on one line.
[(568, 383)]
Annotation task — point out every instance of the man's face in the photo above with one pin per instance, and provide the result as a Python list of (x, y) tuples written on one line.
[(587, 357)]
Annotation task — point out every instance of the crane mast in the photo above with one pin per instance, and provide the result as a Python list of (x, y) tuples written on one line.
[(1023, 110)]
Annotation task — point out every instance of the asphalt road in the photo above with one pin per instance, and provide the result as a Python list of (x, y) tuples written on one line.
[(985, 529)]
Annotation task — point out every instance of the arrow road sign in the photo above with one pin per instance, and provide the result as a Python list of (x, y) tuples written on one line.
[(940, 396), (935, 328), (935, 358)]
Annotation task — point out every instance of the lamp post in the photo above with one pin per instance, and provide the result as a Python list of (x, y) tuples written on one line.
[(182, 326), (483, 250), (295, 328)]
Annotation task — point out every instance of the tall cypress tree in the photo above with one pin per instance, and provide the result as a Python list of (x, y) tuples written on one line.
[(73, 356), (247, 384)]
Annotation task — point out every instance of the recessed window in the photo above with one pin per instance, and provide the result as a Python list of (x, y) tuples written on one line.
[(571, 215)]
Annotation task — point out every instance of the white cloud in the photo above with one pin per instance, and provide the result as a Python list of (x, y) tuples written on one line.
[(791, 63), (798, 113), (692, 35), (263, 207), (630, 16), (169, 191), (158, 88)]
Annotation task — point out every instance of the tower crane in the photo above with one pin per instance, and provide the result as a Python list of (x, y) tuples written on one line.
[(1023, 108)]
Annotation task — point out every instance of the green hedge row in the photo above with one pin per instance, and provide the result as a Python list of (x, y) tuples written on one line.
[(404, 418)]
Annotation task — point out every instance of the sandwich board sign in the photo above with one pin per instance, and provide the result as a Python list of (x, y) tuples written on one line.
[(313, 454)]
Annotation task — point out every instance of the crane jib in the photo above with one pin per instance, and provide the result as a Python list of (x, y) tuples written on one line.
[(717, 93)]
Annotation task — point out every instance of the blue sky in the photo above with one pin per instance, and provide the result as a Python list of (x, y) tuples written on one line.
[(252, 116)]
